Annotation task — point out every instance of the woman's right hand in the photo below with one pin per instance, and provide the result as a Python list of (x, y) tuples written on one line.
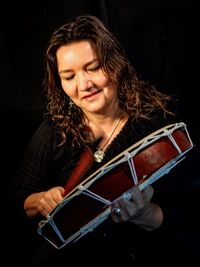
[(43, 202)]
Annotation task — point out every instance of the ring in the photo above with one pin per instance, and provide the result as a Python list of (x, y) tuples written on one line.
[(116, 211)]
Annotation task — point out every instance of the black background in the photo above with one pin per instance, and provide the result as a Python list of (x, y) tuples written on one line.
[(161, 39)]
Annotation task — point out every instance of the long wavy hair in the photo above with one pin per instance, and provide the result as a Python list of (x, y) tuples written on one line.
[(137, 98)]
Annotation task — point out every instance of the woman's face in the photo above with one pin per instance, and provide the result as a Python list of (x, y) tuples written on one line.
[(83, 80)]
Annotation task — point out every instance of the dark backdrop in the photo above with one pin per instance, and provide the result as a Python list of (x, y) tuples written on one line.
[(160, 37)]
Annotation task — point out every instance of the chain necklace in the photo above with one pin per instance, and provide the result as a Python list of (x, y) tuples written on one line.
[(99, 153)]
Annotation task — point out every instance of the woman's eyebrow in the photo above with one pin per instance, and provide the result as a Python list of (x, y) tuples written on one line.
[(85, 65)]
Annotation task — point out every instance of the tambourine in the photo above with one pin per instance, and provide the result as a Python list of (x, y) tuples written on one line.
[(89, 203)]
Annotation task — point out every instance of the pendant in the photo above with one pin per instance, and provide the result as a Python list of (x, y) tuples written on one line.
[(99, 155)]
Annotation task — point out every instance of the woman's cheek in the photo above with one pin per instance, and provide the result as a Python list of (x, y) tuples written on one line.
[(67, 88), (101, 80)]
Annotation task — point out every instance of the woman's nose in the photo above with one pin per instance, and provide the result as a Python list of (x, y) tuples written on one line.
[(83, 82)]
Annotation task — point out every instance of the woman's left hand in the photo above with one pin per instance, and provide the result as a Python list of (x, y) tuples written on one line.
[(136, 206)]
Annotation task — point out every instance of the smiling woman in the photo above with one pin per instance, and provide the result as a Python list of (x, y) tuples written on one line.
[(84, 81), (98, 104)]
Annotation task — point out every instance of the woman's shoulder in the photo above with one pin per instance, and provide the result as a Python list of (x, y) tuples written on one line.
[(156, 120), (45, 135)]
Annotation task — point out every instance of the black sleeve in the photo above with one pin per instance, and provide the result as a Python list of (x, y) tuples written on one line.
[(33, 175)]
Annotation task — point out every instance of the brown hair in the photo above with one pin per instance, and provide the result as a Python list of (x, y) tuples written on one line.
[(136, 97)]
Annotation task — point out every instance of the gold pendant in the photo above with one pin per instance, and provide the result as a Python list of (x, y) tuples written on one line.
[(99, 155)]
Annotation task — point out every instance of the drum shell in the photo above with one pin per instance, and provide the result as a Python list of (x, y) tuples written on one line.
[(79, 210)]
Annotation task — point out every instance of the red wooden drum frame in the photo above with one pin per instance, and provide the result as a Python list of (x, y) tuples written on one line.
[(88, 204)]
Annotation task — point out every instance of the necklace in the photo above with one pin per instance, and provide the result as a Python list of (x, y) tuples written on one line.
[(99, 153)]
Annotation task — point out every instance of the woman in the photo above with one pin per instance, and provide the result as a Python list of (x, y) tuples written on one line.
[(95, 101)]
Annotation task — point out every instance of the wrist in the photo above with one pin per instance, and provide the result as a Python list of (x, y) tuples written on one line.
[(149, 218)]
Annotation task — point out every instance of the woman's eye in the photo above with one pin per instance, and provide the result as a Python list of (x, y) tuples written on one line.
[(95, 68), (68, 78)]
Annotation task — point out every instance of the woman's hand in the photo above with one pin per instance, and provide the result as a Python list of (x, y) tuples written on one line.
[(43, 202), (136, 207)]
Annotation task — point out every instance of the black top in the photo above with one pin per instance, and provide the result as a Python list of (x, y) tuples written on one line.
[(46, 165)]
